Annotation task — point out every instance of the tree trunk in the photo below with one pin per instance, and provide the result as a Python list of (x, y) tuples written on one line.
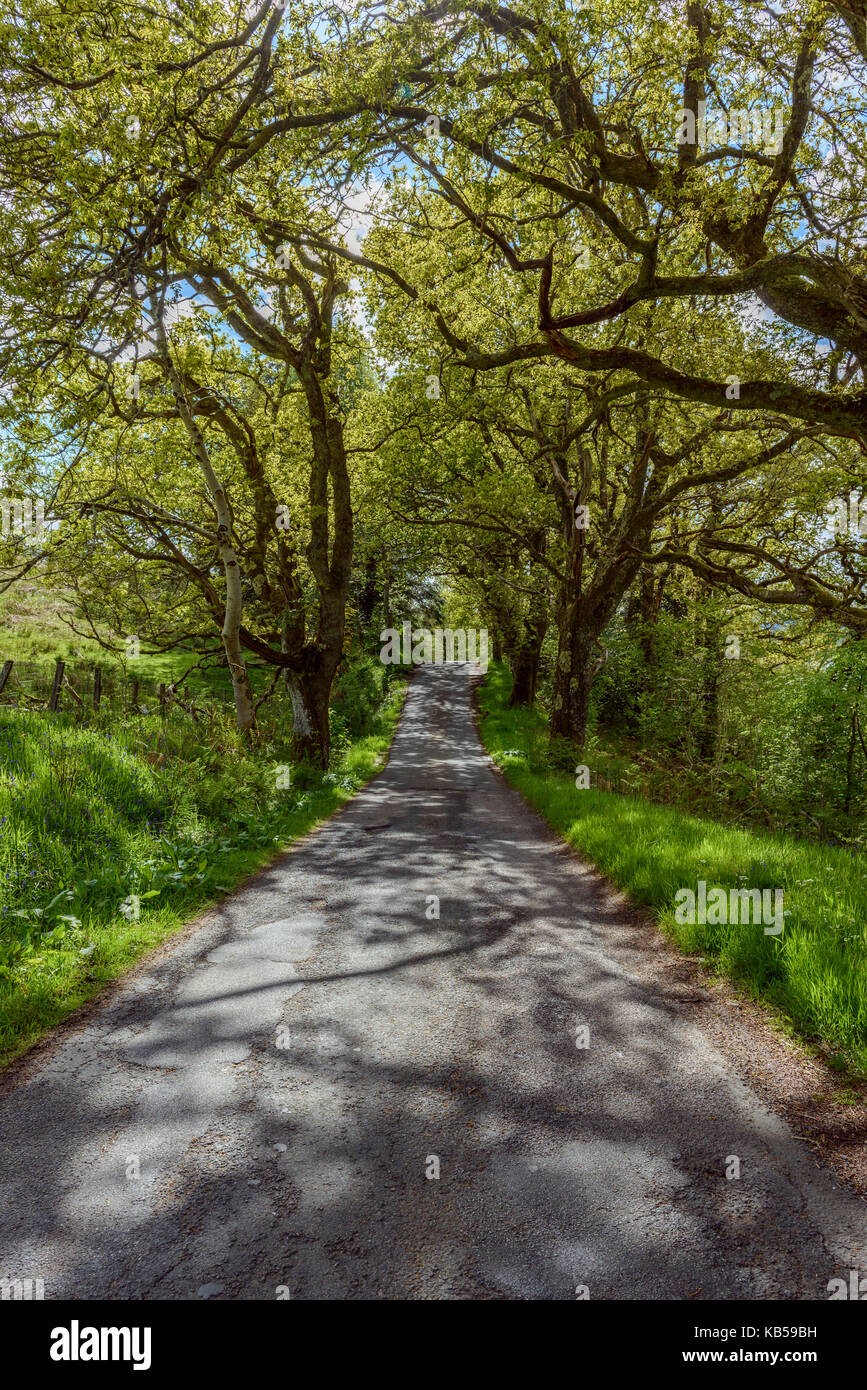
[(329, 554), (525, 668), (245, 712), (525, 663), (576, 669), (311, 734)]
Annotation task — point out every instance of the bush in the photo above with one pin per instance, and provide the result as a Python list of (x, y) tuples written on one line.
[(358, 692)]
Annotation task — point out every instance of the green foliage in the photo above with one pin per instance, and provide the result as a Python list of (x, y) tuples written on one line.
[(358, 691), (787, 743)]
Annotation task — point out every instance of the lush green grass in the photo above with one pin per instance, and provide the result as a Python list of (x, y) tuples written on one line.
[(94, 812), (32, 627), (814, 973)]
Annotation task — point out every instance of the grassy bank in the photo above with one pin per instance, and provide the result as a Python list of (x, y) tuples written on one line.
[(112, 837), (814, 973)]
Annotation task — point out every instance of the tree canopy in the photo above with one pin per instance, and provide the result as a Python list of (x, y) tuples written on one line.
[(561, 308)]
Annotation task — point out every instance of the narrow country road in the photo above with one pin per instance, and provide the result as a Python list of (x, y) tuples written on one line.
[(284, 1078)]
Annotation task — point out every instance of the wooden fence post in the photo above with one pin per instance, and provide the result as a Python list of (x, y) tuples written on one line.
[(162, 698), (54, 699), (97, 686), (4, 674), (133, 695), (67, 684)]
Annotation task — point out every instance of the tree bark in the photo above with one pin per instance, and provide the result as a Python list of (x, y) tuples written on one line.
[(311, 734), (330, 557), (577, 668), (525, 662)]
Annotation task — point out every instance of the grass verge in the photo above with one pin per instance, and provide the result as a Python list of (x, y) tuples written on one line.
[(112, 838), (814, 973)]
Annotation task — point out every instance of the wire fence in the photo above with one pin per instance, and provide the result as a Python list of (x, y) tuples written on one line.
[(56, 686)]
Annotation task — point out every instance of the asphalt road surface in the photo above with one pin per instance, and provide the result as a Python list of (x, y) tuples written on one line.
[(261, 1111)]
